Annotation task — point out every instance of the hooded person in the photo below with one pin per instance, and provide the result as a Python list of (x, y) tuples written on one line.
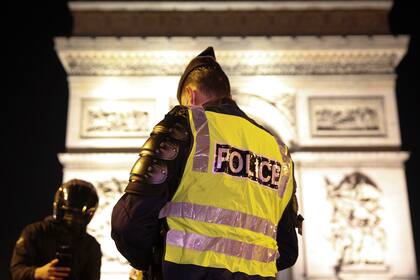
[(59, 247), (212, 191)]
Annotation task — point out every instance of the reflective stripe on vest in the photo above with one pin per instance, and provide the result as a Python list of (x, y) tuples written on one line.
[(201, 155), (209, 214), (236, 184), (285, 169), (221, 245)]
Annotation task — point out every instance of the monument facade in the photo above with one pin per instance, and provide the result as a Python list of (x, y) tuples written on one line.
[(329, 95), (331, 99)]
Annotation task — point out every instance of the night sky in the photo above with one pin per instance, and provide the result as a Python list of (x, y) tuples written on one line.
[(35, 117)]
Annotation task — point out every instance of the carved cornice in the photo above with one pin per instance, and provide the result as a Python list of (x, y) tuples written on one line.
[(238, 56), (346, 159), (99, 160)]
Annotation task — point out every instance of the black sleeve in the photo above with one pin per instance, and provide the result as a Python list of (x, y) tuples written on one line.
[(23, 263), (287, 242), (92, 269), (135, 227), (287, 239), (135, 224)]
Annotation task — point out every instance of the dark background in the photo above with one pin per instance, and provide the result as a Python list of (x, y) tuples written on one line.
[(36, 112)]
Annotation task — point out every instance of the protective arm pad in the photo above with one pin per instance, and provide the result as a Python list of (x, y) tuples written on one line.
[(160, 153)]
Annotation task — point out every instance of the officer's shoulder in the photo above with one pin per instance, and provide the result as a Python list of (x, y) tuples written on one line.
[(175, 123), (178, 111)]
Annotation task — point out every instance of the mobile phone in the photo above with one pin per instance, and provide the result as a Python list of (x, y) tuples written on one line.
[(64, 256)]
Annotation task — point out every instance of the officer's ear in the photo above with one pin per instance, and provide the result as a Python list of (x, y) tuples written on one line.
[(187, 96), (192, 96)]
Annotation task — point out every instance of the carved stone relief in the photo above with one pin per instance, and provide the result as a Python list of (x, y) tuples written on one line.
[(357, 233), (359, 116), (121, 118), (109, 191)]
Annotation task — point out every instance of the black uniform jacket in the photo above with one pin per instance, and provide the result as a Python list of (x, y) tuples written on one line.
[(135, 223), (37, 246)]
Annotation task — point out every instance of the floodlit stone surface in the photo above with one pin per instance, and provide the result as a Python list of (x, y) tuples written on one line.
[(330, 99)]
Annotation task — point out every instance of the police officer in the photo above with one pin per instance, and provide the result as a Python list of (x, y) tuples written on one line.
[(221, 184), (59, 247)]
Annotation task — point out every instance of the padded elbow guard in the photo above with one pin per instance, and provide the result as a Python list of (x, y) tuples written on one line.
[(153, 168)]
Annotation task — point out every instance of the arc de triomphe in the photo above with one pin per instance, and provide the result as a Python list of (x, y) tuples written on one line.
[(331, 99)]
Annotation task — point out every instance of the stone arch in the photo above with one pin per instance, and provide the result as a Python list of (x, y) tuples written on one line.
[(272, 116)]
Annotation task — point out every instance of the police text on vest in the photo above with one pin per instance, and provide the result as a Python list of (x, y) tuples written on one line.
[(246, 164)]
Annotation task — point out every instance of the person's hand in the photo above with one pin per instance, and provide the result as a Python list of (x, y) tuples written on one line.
[(51, 272)]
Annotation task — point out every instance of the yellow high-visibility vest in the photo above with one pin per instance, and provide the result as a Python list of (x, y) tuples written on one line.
[(236, 184)]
